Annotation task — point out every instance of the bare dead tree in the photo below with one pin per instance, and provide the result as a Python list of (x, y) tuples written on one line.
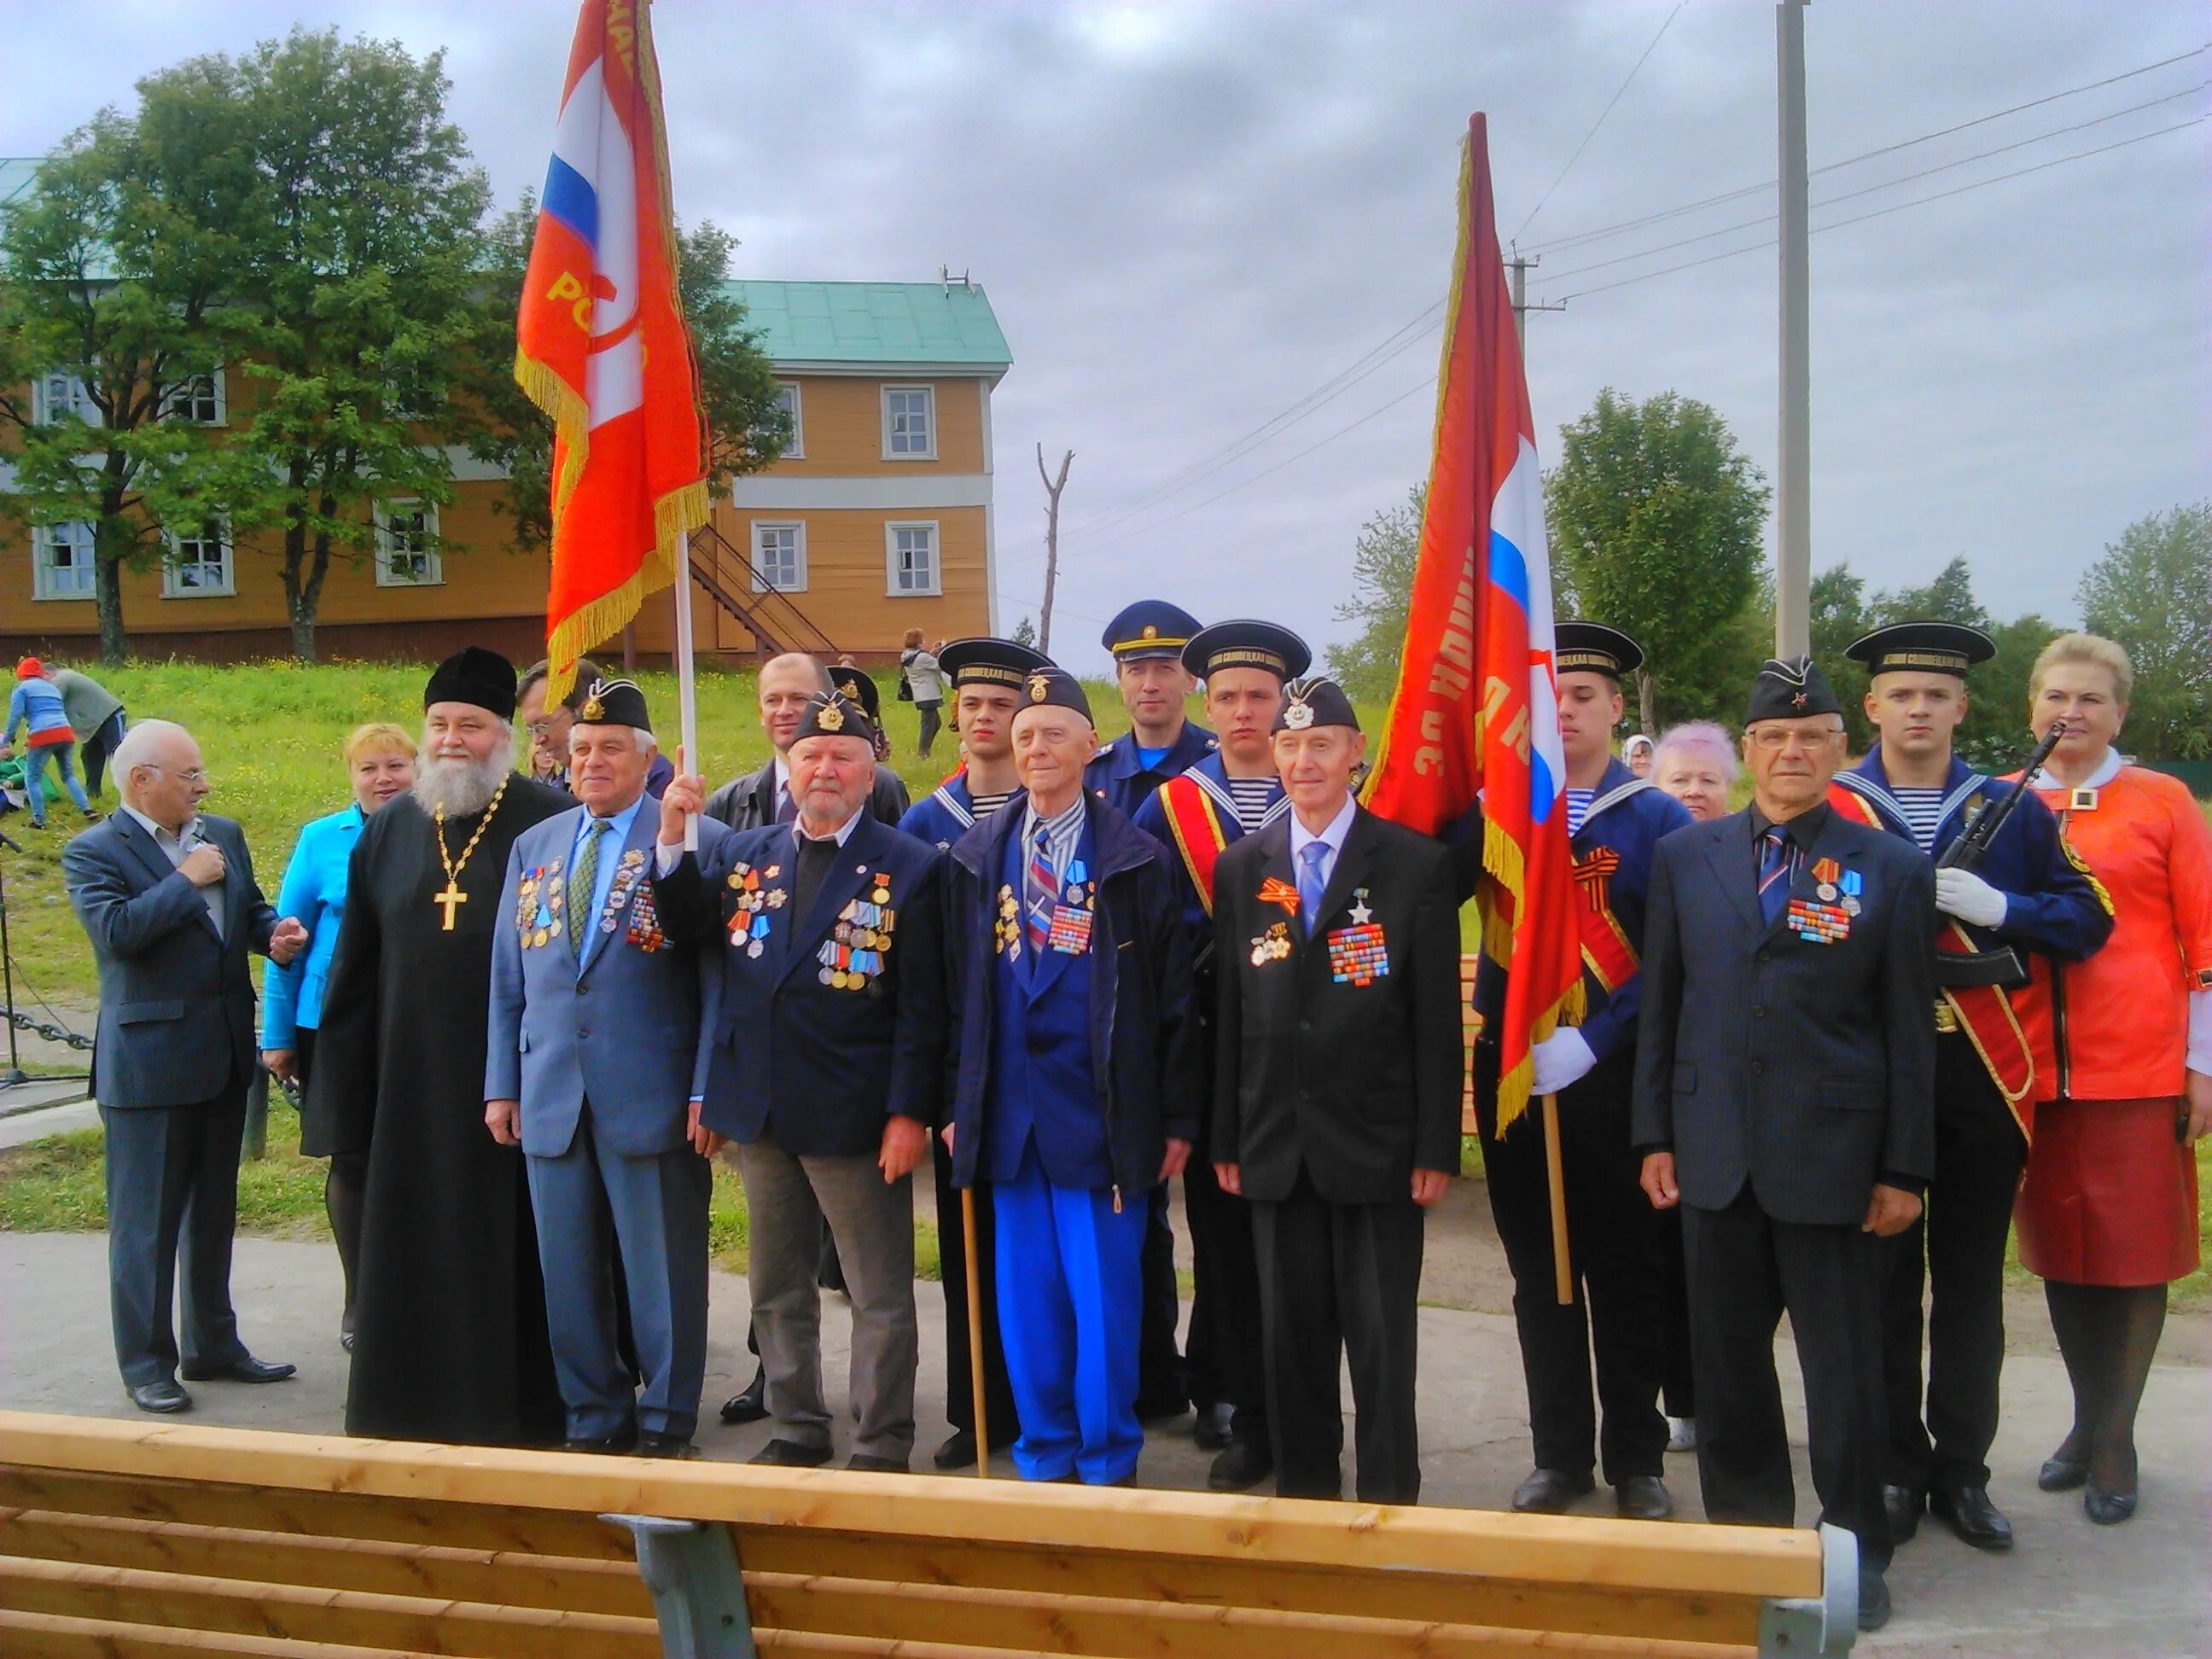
[(1052, 488)]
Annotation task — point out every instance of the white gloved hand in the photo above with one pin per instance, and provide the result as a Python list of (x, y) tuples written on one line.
[(1963, 894), (1562, 1059)]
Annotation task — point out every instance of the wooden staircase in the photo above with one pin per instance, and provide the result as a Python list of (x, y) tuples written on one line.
[(768, 614)]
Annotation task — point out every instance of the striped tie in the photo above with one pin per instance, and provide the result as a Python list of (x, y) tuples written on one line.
[(1043, 887), (1777, 861)]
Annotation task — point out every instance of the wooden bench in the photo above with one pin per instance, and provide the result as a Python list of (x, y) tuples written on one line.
[(133, 1541)]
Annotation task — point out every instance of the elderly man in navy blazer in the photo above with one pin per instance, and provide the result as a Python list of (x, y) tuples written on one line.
[(825, 1065), (167, 895), (593, 1063)]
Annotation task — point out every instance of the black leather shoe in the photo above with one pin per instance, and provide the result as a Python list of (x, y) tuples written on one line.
[(1968, 1512), (751, 1405), (1903, 1505), (651, 1443), (1212, 1431), (2062, 1474), (603, 1445), (790, 1455), (1644, 1497), (869, 1463), (1873, 1599), (164, 1398), (1548, 1491), (2107, 1509), (244, 1369), (1241, 1467), (958, 1451)]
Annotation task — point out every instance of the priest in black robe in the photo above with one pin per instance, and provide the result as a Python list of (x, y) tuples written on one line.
[(451, 1340)]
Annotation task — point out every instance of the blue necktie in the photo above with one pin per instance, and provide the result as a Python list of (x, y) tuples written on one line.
[(1311, 884), (1776, 857)]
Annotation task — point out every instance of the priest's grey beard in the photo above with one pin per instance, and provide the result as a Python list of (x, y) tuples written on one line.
[(462, 788)]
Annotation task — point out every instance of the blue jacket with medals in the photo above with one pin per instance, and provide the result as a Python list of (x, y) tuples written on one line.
[(944, 815), (1613, 872), (1089, 1053), (2050, 905), (830, 1022), (1119, 773)]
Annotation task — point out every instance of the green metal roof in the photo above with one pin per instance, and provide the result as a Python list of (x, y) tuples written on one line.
[(901, 325)]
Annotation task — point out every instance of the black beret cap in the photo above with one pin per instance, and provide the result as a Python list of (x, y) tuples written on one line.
[(1788, 691), (1244, 643), (1319, 700), (614, 703), (1592, 647), (835, 716), (984, 661), (859, 686), (1925, 647), (472, 675), (1055, 688)]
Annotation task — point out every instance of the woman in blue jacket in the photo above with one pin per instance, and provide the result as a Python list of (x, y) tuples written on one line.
[(381, 762)]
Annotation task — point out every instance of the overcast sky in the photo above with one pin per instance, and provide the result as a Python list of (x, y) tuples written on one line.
[(1189, 218)]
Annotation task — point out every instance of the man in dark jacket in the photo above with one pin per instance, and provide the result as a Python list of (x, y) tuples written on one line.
[(788, 684), (1336, 1099), (1076, 1084), (1785, 1071)]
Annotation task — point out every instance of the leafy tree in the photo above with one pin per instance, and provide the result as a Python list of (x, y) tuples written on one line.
[(2152, 592), (359, 252), (747, 427), (1382, 562), (114, 296), (1656, 516), (1024, 632), (1838, 607)]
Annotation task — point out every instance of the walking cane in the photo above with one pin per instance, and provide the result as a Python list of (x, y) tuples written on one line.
[(1563, 1270), (975, 1334)]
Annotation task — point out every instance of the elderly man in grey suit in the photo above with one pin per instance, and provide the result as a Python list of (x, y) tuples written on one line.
[(167, 895), (595, 1065)]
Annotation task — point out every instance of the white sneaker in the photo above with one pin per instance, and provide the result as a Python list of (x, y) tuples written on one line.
[(1682, 1434)]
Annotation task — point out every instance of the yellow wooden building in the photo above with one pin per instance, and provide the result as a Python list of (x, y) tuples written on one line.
[(877, 520)]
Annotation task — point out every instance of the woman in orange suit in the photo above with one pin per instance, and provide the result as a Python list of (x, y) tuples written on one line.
[(2107, 1213)]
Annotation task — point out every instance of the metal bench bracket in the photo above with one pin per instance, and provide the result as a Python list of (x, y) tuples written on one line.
[(1791, 1628), (691, 1569)]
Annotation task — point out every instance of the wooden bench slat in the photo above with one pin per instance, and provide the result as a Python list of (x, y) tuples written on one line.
[(1750, 1562), (54, 1636), (563, 1583), (409, 1624), (1429, 1597), (249, 1507)]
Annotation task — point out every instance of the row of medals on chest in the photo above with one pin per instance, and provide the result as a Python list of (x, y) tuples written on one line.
[(542, 898), (850, 958), (1070, 933)]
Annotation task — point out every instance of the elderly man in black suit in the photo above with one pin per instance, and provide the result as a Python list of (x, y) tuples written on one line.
[(1785, 1099), (168, 894)]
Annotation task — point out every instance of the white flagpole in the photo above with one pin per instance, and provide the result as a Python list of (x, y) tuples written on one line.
[(686, 696)]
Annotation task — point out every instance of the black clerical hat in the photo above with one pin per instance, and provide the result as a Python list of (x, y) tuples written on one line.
[(1244, 643), (1925, 647), (984, 661), (481, 678), (614, 703), (1150, 628), (1318, 700), (1055, 688), (1786, 690), (1592, 647), (835, 716)]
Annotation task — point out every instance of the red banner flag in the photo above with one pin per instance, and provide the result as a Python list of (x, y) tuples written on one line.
[(602, 347), (1475, 714)]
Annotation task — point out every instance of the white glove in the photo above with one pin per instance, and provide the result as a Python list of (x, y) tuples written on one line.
[(1963, 894), (1562, 1059)]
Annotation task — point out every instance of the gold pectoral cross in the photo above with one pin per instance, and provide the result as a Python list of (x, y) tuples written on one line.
[(452, 896)]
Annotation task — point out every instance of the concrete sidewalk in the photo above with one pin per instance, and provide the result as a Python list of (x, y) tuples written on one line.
[(2069, 1590)]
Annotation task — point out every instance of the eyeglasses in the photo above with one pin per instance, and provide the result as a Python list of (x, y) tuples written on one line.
[(196, 775), (1773, 739)]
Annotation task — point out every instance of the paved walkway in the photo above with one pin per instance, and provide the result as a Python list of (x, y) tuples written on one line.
[(2069, 1591)]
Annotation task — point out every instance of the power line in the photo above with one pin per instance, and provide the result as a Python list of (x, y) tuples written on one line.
[(1599, 122), (1578, 238), (1880, 213)]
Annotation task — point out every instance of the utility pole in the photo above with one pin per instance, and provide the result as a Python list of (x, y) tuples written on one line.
[(1520, 265), (1052, 488), (1793, 503)]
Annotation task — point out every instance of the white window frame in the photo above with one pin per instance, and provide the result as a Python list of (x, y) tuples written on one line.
[(42, 570), (929, 413), (171, 588), (797, 449), (760, 582), (79, 397), (891, 587), (218, 395), (433, 567)]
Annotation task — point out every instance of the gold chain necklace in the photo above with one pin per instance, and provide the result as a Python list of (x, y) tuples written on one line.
[(453, 895)]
